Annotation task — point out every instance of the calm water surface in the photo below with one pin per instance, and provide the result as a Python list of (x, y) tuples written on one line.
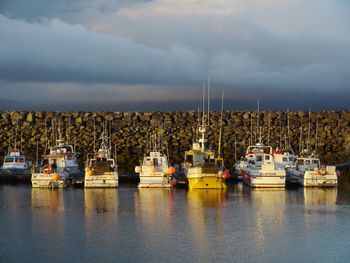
[(158, 225)]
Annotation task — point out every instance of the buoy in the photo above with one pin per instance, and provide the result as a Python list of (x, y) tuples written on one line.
[(137, 169), (221, 173), (171, 170), (173, 182), (338, 172), (47, 169), (322, 170), (56, 177), (89, 172), (246, 177), (226, 174)]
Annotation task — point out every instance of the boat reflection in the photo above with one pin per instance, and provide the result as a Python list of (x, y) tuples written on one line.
[(100, 200), (320, 196), (267, 209), (205, 216), (154, 206), (47, 200)]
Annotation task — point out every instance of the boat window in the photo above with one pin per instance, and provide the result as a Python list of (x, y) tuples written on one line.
[(189, 159), (259, 158), (300, 162), (315, 161), (155, 161), (284, 159), (9, 160), (291, 159), (307, 162), (19, 160), (267, 157), (220, 163)]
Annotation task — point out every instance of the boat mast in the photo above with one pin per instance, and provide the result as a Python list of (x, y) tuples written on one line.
[(21, 144), (208, 100), (280, 133), (288, 130), (94, 117), (235, 150), (16, 133), (202, 128), (309, 131), (301, 133), (37, 153), (258, 128), (316, 138), (269, 129), (220, 131), (251, 129)]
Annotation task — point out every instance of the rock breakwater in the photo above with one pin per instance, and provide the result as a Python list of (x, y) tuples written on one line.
[(329, 132)]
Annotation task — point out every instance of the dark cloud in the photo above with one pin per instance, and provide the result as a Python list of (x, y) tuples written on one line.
[(109, 50)]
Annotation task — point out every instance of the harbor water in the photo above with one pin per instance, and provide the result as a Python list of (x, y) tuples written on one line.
[(175, 225)]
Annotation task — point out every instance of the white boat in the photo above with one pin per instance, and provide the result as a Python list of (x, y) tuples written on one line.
[(101, 170), (261, 169), (155, 171), (58, 167), (308, 171), (16, 165), (284, 158)]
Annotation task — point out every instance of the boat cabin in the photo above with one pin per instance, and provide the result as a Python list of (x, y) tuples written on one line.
[(259, 154), (64, 149), (155, 159), (307, 164), (16, 159), (285, 157)]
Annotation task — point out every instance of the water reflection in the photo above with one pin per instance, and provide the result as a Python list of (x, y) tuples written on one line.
[(320, 196), (103, 200), (205, 216), (154, 206), (47, 200), (266, 208)]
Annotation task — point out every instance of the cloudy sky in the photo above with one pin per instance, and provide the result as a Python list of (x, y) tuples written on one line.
[(155, 55)]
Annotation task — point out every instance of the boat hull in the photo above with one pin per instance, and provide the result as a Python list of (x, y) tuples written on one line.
[(264, 181), (313, 179), (40, 180), (160, 181), (106, 180), (206, 182), (15, 174)]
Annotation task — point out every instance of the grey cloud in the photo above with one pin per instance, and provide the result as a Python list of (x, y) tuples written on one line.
[(110, 56)]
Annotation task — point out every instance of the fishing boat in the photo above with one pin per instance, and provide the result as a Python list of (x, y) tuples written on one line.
[(16, 166), (155, 171), (261, 169), (101, 168), (58, 167), (308, 172), (202, 168)]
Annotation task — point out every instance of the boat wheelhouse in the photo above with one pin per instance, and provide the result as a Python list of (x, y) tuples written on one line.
[(16, 165), (284, 157)]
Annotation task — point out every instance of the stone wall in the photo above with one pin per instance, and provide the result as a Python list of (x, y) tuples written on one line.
[(131, 132)]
